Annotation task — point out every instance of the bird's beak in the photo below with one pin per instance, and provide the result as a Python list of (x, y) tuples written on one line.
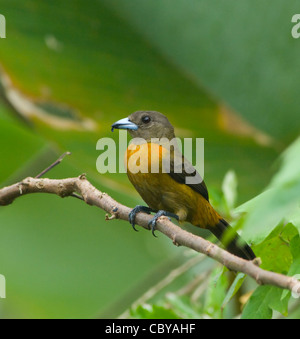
[(124, 124)]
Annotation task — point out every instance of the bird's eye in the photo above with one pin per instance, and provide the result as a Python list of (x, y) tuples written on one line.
[(146, 119)]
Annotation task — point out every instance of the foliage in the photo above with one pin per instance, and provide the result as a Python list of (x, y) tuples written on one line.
[(276, 241)]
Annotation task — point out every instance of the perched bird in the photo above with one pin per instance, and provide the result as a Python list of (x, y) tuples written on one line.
[(168, 182)]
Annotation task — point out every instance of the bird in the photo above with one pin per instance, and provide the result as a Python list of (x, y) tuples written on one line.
[(168, 182)]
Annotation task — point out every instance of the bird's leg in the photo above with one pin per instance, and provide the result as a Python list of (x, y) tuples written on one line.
[(159, 214), (135, 211)]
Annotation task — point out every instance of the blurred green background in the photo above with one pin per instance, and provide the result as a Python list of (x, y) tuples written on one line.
[(225, 71)]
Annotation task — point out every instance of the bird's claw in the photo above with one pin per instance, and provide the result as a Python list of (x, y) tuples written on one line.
[(135, 211), (152, 223)]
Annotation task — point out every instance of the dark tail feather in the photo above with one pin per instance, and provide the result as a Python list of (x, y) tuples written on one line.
[(235, 246)]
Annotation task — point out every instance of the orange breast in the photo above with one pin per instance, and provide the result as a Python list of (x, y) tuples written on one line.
[(144, 158), (160, 191)]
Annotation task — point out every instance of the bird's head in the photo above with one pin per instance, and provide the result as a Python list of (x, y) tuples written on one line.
[(146, 125)]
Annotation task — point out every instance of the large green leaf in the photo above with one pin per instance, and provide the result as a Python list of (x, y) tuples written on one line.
[(264, 300), (241, 51), (280, 202)]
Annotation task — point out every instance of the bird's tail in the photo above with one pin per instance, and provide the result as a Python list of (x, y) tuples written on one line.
[(235, 245)]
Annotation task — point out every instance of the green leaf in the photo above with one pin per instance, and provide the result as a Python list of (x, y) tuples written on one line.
[(229, 188), (279, 202), (295, 267), (234, 288), (147, 311), (239, 39), (295, 249), (290, 163), (182, 307), (275, 251), (295, 219), (263, 301), (215, 293), (294, 270)]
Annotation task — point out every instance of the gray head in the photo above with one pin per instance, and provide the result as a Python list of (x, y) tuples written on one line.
[(146, 125)]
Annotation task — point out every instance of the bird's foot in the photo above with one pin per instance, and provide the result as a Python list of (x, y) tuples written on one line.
[(152, 222), (135, 211)]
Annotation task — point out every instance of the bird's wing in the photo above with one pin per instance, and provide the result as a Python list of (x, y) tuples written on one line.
[(182, 171)]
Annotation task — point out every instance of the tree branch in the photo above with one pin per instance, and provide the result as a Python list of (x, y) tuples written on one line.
[(94, 197)]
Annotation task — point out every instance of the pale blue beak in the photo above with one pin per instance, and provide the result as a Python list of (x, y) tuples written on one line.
[(124, 124)]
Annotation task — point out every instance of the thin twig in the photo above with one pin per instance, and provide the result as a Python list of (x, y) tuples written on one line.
[(77, 196), (57, 162)]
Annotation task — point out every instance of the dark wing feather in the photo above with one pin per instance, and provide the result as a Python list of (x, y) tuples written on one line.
[(186, 170)]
